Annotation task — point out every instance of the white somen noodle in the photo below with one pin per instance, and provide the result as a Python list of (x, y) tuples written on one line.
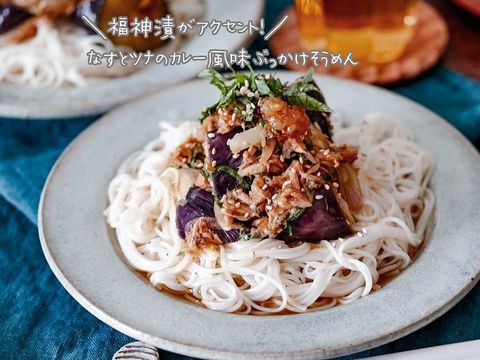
[(57, 55), (267, 276)]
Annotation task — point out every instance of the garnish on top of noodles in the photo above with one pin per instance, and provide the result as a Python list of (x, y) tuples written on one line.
[(268, 166)]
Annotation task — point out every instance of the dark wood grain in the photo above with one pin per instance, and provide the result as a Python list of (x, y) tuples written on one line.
[(463, 52)]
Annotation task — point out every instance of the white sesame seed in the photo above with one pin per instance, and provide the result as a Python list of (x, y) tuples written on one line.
[(211, 135), (214, 163), (204, 109), (326, 152), (335, 184), (327, 187), (289, 129), (244, 112), (199, 165), (252, 105), (220, 112), (214, 151), (246, 215), (235, 156), (234, 116), (265, 187), (237, 205), (319, 197), (274, 196), (364, 230), (301, 160), (282, 159), (267, 77), (246, 83)]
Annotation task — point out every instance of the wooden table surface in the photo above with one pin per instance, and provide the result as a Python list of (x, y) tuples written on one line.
[(463, 52)]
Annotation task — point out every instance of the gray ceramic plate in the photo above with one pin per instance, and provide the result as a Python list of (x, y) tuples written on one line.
[(28, 103), (83, 254)]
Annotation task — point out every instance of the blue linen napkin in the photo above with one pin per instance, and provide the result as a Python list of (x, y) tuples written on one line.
[(39, 320)]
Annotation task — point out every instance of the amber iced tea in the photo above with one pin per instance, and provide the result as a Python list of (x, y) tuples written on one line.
[(374, 31)]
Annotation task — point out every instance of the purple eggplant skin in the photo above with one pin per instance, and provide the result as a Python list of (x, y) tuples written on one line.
[(321, 118), (202, 199), (199, 204), (228, 236), (322, 221), (92, 9), (223, 182), (11, 16), (223, 155)]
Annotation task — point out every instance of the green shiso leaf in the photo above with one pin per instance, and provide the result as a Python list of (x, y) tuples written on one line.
[(291, 218)]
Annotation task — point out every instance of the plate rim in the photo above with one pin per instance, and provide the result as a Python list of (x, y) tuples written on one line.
[(199, 351)]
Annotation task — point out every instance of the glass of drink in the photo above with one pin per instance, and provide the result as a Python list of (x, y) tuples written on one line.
[(374, 31)]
